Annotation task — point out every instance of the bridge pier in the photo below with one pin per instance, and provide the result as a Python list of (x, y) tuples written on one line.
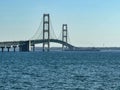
[(2, 49), (33, 47), (14, 47), (8, 48), (24, 46)]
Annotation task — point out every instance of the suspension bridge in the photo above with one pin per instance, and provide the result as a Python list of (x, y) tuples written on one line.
[(44, 35)]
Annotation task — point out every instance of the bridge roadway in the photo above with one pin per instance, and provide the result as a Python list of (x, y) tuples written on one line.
[(25, 45)]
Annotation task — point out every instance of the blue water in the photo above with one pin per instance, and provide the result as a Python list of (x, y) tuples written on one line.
[(60, 71)]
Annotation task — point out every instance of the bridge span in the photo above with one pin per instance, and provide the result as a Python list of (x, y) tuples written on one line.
[(46, 39), (25, 46)]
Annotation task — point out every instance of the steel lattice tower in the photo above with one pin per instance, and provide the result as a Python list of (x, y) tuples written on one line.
[(64, 35), (46, 31)]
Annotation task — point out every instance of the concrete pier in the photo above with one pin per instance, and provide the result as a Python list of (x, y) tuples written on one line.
[(2, 49), (14, 47), (33, 47), (24, 46), (8, 48)]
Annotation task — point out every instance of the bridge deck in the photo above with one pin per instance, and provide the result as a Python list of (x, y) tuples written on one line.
[(37, 41)]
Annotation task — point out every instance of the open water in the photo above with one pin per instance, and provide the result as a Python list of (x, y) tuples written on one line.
[(60, 71)]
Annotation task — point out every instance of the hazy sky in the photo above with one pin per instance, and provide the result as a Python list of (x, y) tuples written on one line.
[(90, 22)]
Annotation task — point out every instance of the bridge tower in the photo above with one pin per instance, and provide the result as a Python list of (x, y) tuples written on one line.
[(64, 35), (46, 31)]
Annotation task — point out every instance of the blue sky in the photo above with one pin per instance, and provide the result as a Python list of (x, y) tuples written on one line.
[(90, 22)]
